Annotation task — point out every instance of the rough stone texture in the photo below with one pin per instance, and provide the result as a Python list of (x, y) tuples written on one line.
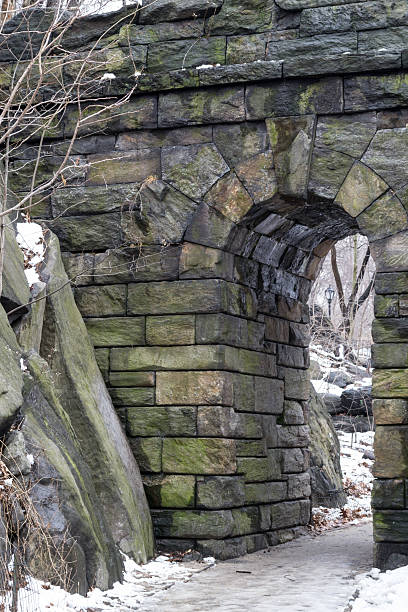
[(325, 469), (195, 222)]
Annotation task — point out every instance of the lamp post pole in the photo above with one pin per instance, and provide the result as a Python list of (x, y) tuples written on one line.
[(329, 294)]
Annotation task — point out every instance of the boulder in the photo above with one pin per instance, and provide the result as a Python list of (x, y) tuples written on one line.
[(76, 440), (332, 402), (351, 424), (315, 370), (325, 469), (357, 401), (339, 378)]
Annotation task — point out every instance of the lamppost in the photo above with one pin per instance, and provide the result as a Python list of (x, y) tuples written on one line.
[(329, 294)]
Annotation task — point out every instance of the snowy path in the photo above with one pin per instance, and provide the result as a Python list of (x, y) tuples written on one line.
[(313, 573)]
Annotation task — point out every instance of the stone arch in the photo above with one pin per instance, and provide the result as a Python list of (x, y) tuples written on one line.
[(203, 344)]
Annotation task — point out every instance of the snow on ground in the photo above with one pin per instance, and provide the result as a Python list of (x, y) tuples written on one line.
[(323, 387), (378, 592), (30, 238), (140, 582), (357, 481)]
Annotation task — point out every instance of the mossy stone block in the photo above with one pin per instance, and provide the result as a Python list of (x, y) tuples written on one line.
[(118, 331), (251, 448), (255, 469), (215, 492), (202, 357), (390, 383), (386, 216), (199, 456), (136, 396), (388, 494), (390, 355), (199, 261), (265, 492), (161, 421), (361, 187), (170, 330), (246, 520), (386, 306), (148, 453), (123, 167), (88, 233), (390, 525), (100, 301), (194, 388), (192, 523), (390, 411), (390, 449), (172, 491), (392, 282), (229, 197), (131, 379), (222, 104), (180, 54)]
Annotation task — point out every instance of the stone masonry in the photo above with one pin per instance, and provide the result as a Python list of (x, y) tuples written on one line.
[(194, 226)]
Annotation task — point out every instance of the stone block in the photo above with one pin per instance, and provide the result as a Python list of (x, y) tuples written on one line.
[(240, 141), (293, 413), (245, 49), (388, 494), (236, 18), (136, 396), (140, 112), (199, 456), (258, 176), (148, 453), (298, 485), (170, 330), (294, 97), (390, 355), (251, 448), (389, 254), (390, 383), (88, 233), (223, 549), (296, 384), (158, 217), (292, 436), (290, 514), (268, 395), (209, 227), (199, 261), (182, 54), (91, 200), (390, 555), (276, 329), (192, 523), (215, 492), (100, 301), (161, 421), (175, 11), (171, 491), (229, 197), (79, 267), (403, 305), (361, 187), (255, 469), (386, 216), (246, 520), (193, 169), (348, 134), (375, 92), (117, 331), (294, 460), (222, 105), (220, 421), (328, 171), (312, 47), (176, 297), (291, 356), (390, 411), (386, 305), (391, 460), (197, 388), (203, 357), (148, 139), (265, 492), (393, 282), (132, 379), (343, 63), (390, 526), (149, 263)]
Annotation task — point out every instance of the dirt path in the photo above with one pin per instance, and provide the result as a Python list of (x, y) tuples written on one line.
[(309, 574)]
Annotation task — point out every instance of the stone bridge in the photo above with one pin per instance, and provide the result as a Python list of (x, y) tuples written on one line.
[(259, 134)]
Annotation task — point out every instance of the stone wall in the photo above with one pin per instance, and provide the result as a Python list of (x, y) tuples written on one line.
[(193, 228)]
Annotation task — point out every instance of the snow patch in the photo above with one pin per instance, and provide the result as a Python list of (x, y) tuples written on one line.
[(108, 76), (30, 238), (378, 592), (139, 583)]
